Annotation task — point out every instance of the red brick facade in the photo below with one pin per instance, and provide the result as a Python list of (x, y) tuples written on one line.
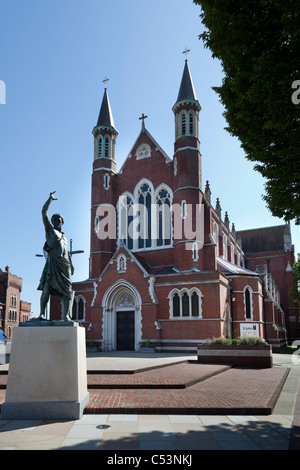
[(175, 291), (12, 309)]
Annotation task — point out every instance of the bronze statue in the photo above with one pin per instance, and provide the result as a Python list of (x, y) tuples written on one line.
[(56, 278)]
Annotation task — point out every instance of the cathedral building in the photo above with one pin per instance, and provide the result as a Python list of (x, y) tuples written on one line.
[(165, 264)]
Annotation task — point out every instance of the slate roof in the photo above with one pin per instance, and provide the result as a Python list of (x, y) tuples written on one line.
[(229, 268), (263, 239), (186, 90)]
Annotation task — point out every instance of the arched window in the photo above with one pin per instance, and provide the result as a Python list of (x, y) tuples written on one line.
[(164, 216), (176, 305), (143, 151), (106, 147), (195, 253), (195, 304), (191, 123), (248, 302), (224, 247), (74, 310), (183, 124), (144, 199), (100, 146), (185, 304), (145, 218), (80, 308), (121, 263), (216, 237), (78, 311), (106, 178), (125, 220)]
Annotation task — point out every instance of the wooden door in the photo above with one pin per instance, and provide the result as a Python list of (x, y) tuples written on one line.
[(125, 331)]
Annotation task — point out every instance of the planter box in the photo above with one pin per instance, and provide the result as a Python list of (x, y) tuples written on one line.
[(92, 348), (243, 355), (148, 349)]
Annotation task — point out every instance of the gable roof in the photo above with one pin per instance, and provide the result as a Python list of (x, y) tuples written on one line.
[(131, 255), (157, 147)]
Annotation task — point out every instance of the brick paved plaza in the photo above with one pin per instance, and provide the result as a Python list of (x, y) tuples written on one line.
[(178, 404)]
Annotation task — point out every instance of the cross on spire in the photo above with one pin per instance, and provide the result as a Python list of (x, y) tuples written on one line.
[(185, 52), (105, 80), (143, 117)]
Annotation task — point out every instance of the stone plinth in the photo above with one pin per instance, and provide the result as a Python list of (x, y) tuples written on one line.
[(47, 376)]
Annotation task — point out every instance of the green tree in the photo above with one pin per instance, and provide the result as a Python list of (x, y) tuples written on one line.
[(258, 44), (295, 292)]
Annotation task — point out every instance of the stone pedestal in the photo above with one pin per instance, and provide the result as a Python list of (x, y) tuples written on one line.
[(47, 376)]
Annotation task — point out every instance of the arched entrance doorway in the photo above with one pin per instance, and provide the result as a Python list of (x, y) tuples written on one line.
[(122, 326)]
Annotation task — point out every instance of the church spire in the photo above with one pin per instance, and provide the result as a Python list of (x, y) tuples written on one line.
[(105, 118), (186, 90), (104, 132), (186, 111)]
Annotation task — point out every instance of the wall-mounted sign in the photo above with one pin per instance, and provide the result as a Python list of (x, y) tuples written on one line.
[(249, 329)]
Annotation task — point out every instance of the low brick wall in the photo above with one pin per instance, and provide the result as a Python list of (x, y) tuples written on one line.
[(254, 356)]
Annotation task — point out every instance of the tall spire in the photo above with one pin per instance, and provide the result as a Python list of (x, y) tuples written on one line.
[(186, 94), (186, 90), (105, 116), (104, 132)]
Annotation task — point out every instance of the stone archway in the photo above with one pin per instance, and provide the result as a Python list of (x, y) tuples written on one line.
[(122, 325)]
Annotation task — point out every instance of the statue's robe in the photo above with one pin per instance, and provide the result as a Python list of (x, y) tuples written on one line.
[(58, 269)]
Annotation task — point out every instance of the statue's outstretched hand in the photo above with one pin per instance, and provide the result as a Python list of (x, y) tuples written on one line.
[(52, 196)]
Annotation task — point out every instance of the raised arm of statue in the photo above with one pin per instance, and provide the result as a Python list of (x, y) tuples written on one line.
[(46, 220)]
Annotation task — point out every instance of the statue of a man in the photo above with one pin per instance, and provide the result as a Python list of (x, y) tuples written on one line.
[(56, 277)]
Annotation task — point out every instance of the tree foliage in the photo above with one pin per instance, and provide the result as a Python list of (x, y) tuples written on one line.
[(295, 292), (258, 44)]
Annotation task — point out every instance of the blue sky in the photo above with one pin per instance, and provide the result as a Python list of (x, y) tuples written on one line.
[(54, 55)]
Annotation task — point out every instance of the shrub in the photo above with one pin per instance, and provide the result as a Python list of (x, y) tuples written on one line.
[(251, 340), (218, 341), (247, 340)]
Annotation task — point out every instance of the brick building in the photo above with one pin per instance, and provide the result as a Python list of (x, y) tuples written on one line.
[(12, 309), (164, 264), (270, 252)]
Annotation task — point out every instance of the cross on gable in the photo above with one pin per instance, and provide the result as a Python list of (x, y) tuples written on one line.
[(143, 117)]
